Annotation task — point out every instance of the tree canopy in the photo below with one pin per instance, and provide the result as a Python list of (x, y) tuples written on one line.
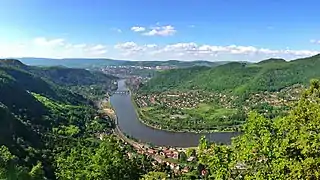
[(280, 148), (238, 78)]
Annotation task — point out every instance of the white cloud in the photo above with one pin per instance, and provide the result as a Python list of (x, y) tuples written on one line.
[(130, 48), (98, 49), (314, 41), (51, 48), (157, 30), (78, 45), (161, 31), (41, 41), (194, 51), (138, 29), (126, 46), (62, 48), (151, 45)]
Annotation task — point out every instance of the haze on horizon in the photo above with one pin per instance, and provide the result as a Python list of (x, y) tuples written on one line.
[(214, 30)]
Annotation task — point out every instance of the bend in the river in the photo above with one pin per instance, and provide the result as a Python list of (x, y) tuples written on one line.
[(129, 124)]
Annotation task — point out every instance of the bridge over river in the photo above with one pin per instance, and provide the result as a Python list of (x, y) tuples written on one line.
[(124, 92)]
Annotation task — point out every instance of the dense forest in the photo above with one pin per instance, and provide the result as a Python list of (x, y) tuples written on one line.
[(45, 126), (51, 131), (238, 78)]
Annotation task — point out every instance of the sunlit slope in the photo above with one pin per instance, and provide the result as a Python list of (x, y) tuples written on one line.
[(235, 77)]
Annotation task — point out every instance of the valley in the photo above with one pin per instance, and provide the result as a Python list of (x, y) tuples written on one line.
[(59, 114), (159, 90)]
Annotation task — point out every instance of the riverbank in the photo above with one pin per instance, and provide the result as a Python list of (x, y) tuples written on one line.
[(108, 110), (169, 155), (139, 114)]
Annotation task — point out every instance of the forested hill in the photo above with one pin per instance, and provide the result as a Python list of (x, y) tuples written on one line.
[(60, 75), (240, 78), (37, 108)]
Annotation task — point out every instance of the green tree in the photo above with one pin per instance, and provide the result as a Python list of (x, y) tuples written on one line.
[(182, 156), (218, 160), (106, 161), (155, 176), (281, 148), (37, 172), (9, 169), (191, 152)]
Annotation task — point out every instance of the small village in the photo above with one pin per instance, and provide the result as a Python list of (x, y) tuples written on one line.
[(180, 100), (192, 99), (172, 157), (283, 98)]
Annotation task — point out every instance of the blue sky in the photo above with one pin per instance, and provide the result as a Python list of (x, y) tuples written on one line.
[(159, 30)]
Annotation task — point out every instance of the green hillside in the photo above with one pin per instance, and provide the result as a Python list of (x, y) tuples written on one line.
[(239, 78), (174, 99), (72, 76), (173, 79), (58, 74), (40, 116), (51, 80)]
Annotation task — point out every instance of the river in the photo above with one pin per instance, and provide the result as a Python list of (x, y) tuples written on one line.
[(129, 124)]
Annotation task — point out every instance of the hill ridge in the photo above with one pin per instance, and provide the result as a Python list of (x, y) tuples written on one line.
[(236, 77)]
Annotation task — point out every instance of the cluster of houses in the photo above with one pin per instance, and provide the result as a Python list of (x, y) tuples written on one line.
[(180, 100), (281, 98), (179, 169), (191, 99), (163, 155)]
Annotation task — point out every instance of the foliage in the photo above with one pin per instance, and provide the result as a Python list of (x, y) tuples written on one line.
[(44, 127), (282, 148), (190, 152), (9, 169), (167, 80), (182, 156), (103, 161), (155, 176), (238, 78), (94, 92), (72, 76)]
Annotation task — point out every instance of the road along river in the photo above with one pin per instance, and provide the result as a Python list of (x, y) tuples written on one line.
[(129, 124)]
